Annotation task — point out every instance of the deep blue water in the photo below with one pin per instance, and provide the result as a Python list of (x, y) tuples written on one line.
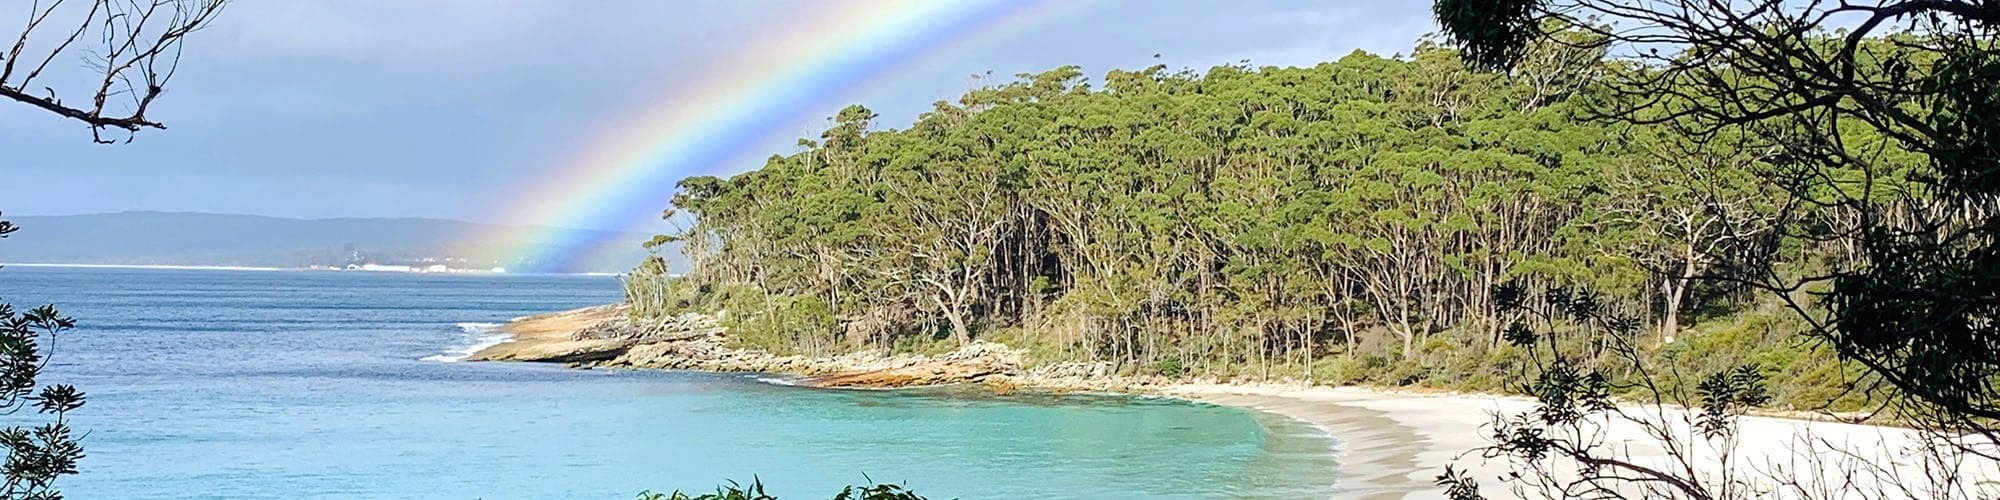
[(246, 384)]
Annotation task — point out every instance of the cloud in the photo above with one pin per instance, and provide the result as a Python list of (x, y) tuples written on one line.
[(1333, 30), (486, 36), (444, 107), (367, 30)]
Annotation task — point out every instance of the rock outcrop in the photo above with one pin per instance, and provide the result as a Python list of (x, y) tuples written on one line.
[(556, 337), (605, 336)]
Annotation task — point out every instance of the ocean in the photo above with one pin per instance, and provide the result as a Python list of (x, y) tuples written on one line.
[(299, 384)]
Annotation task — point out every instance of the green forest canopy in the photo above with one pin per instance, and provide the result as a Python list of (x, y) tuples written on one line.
[(1346, 222)]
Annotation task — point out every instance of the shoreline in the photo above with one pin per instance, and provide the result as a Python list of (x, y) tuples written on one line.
[(1388, 444), (1394, 444), (179, 267), (145, 266), (1378, 457)]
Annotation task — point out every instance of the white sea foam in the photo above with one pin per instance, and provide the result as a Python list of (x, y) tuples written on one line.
[(472, 338), (778, 381)]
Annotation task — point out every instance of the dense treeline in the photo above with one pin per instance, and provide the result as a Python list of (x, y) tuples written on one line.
[(1347, 222)]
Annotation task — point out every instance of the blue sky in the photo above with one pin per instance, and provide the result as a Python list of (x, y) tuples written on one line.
[(447, 108)]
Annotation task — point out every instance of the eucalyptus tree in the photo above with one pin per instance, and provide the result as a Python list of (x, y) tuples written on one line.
[(1242, 221), (1683, 209), (1872, 122), (952, 188), (1880, 118)]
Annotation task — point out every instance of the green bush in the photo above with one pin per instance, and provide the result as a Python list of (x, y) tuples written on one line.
[(1801, 375), (936, 344), (782, 324), (755, 491)]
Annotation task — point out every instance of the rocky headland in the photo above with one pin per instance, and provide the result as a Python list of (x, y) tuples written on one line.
[(605, 336)]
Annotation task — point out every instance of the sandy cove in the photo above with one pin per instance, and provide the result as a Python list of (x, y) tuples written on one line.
[(1393, 444), (1389, 444)]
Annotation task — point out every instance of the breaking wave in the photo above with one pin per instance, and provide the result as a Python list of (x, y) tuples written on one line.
[(472, 338)]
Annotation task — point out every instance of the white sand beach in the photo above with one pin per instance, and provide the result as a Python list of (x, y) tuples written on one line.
[(1394, 445)]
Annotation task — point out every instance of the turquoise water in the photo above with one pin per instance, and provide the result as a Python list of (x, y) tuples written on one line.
[(244, 384)]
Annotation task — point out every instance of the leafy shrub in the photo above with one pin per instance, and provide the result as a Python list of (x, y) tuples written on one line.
[(37, 455), (783, 324), (755, 491)]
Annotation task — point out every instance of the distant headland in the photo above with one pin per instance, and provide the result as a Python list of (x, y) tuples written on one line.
[(231, 241)]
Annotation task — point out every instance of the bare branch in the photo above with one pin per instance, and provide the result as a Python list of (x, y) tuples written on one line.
[(141, 43)]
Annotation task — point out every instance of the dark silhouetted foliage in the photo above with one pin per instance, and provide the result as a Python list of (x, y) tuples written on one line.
[(755, 491), (36, 455), (1880, 123)]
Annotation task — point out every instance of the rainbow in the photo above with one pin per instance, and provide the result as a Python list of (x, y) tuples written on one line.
[(625, 178)]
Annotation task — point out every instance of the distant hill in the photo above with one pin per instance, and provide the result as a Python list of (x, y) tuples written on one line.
[(180, 238)]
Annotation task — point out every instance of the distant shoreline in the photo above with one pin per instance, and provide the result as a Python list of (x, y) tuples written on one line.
[(149, 266), (284, 269)]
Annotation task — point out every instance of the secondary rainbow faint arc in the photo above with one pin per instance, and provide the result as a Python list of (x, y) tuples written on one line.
[(626, 177)]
